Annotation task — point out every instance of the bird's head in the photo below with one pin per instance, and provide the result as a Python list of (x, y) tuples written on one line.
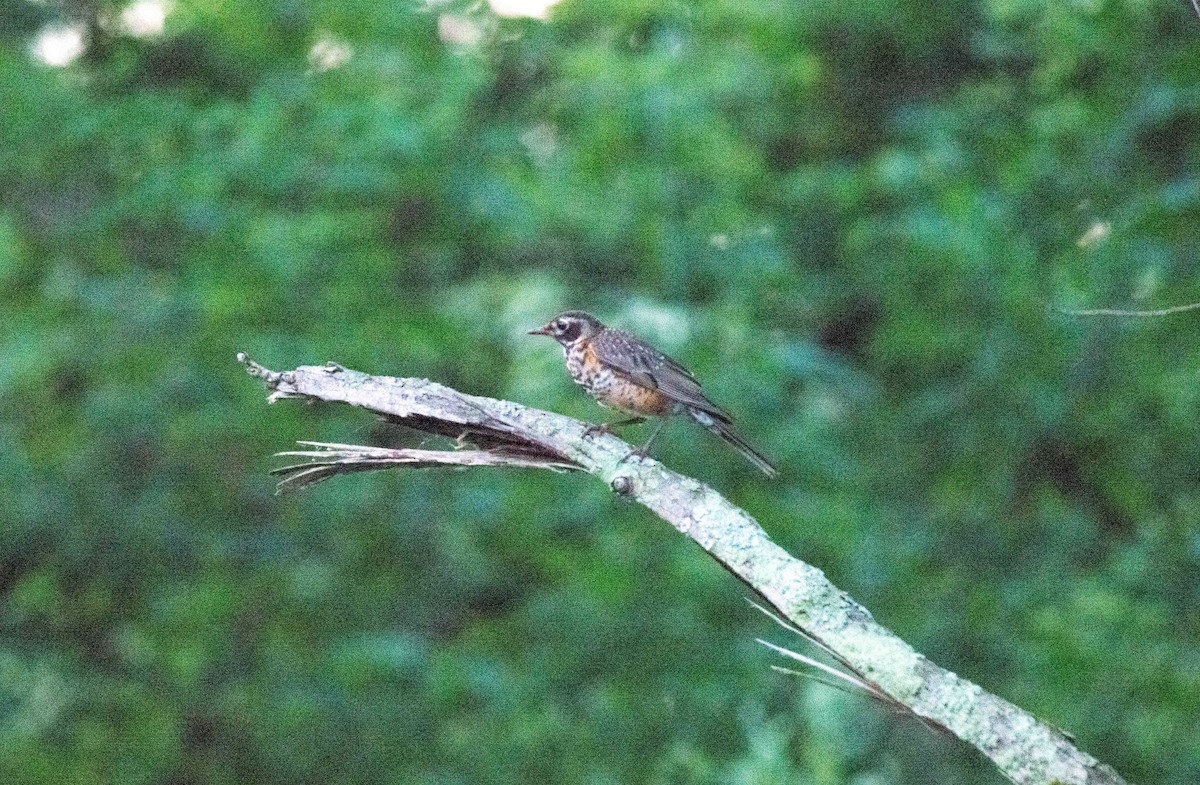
[(569, 326)]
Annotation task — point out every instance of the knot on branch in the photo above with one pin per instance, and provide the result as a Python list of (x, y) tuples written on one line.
[(622, 485)]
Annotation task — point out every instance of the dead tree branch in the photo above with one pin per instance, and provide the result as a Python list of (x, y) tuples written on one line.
[(502, 433)]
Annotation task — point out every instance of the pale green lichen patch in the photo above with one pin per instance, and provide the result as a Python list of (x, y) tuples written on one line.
[(881, 657), (953, 702)]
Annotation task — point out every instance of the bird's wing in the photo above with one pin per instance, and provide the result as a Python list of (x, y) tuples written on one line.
[(649, 367)]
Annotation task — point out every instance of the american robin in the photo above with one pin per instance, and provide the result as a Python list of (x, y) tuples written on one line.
[(626, 373)]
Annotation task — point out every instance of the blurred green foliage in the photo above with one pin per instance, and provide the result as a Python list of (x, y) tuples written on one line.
[(849, 218)]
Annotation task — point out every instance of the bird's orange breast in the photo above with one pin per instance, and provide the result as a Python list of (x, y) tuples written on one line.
[(613, 388), (632, 397)]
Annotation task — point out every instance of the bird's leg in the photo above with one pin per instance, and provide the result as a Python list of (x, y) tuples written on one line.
[(646, 447), (607, 427), (644, 450)]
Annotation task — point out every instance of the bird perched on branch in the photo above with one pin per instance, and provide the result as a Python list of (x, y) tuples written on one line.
[(626, 373)]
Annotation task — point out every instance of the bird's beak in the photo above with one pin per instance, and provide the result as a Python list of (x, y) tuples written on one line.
[(541, 331)]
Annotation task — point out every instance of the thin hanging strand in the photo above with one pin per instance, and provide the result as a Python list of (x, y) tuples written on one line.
[(1119, 312)]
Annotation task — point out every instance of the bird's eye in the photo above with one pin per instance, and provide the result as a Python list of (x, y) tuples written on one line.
[(560, 325), (570, 330)]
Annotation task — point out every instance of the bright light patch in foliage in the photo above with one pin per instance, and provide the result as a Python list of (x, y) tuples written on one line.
[(1096, 234), (58, 46), (534, 9), (329, 53), (459, 30), (145, 18)]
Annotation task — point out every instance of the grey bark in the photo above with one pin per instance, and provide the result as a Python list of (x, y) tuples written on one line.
[(1026, 750)]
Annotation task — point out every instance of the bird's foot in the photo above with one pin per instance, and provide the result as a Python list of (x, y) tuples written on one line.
[(595, 429), (638, 453), (608, 428), (644, 451)]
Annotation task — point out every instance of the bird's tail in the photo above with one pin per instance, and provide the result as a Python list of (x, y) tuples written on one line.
[(723, 428)]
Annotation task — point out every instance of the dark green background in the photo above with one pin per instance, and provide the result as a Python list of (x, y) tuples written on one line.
[(850, 219)]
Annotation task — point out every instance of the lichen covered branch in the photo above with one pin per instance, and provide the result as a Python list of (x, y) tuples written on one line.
[(1025, 749)]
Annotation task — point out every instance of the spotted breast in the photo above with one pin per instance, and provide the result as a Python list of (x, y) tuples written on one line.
[(587, 370)]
